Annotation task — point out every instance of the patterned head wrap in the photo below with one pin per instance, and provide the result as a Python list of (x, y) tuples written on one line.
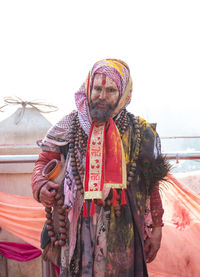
[(114, 69), (119, 72)]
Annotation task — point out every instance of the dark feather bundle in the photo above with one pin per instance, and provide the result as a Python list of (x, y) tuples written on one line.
[(155, 171)]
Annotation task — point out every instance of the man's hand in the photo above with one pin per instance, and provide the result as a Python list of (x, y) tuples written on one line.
[(47, 193), (152, 245)]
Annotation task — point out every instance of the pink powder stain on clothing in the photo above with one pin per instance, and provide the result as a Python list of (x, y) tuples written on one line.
[(180, 248), (181, 217), (111, 255)]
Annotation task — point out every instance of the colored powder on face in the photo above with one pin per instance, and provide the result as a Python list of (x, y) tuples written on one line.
[(103, 80)]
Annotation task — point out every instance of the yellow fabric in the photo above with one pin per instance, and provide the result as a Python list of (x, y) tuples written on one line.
[(144, 124), (125, 99), (117, 64)]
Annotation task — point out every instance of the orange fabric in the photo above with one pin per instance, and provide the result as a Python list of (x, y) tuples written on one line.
[(115, 161), (180, 248), (22, 216)]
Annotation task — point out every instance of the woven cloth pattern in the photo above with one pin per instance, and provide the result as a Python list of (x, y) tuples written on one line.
[(58, 134), (113, 69)]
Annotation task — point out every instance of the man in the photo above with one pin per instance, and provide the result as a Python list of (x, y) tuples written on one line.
[(113, 169)]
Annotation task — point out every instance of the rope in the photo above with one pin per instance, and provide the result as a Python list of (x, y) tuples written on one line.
[(39, 106)]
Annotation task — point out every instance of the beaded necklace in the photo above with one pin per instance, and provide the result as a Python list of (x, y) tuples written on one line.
[(77, 149)]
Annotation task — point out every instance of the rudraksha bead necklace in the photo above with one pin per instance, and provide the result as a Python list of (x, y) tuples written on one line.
[(60, 238), (77, 150), (78, 142)]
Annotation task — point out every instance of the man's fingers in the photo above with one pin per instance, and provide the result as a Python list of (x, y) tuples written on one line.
[(151, 255), (50, 189), (150, 250), (51, 185), (152, 245), (53, 192), (47, 194), (147, 245), (50, 193), (47, 205), (47, 202)]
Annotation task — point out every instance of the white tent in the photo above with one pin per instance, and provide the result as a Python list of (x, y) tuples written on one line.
[(20, 131)]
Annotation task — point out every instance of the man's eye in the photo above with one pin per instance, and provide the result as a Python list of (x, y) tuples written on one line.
[(111, 90), (97, 88)]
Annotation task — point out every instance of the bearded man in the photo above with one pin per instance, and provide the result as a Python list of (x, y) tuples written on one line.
[(113, 168)]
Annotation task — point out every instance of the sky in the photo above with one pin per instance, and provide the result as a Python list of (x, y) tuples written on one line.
[(48, 47)]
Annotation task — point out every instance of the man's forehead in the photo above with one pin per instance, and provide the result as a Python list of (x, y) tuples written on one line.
[(102, 79)]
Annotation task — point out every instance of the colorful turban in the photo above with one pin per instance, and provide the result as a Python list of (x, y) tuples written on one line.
[(117, 70)]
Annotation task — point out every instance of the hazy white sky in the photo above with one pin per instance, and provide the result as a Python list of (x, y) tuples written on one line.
[(48, 47)]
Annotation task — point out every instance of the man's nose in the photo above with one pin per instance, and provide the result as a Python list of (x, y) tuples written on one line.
[(102, 95)]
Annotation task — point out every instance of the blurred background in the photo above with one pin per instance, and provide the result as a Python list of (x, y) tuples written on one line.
[(46, 51), (48, 47)]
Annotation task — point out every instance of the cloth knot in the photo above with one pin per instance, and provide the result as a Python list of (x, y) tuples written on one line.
[(39, 106)]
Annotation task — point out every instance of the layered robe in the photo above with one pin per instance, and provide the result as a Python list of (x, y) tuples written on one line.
[(106, 245)]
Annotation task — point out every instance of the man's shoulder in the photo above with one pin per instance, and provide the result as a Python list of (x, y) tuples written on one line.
[(59, 133), (65, 121), (146, 125), (68, 116), (143, 123)]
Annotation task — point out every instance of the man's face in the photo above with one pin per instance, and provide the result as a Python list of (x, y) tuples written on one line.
[(104, 97)]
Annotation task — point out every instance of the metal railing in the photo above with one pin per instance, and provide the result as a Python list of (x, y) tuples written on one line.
[(181, 137), (33, 158), (182, 156), (18, 158)]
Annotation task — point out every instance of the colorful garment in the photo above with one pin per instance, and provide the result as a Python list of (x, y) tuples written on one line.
[(103, 244)]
